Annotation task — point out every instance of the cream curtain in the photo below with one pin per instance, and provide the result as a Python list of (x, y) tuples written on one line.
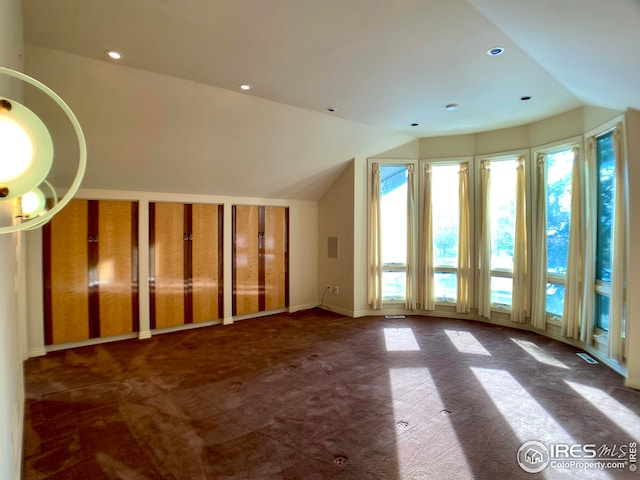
[(616, 317), (375, 239), (426, 297), (572, 314), (484, 252), (410, 302), (590, 218), (539, 254), (519, 300), (463, 277)]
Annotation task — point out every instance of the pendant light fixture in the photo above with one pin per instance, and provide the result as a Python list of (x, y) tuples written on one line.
[(27, 157)]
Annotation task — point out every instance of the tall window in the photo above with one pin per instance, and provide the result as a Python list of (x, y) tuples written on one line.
[(558, 180), (502, 213), (605, 164), (445, 220), (393, 218)]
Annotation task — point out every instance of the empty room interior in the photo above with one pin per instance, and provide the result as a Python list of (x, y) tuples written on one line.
[(307, 239)]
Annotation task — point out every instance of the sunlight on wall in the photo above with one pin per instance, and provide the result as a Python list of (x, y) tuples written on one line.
[(423, 435), (524, 414), (400, 340), (610, 408), (465, 342), (539, 354)]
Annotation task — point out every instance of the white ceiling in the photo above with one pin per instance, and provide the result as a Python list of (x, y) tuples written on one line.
[(385, 63)]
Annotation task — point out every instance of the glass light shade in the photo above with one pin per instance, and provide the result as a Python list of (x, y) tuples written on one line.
[(18, 150), (42, 157), (33, 203), (26, 150)]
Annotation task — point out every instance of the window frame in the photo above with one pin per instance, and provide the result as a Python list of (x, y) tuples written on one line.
[(392, 267), (546, 149), (600, 337), (477, 213), (601, 287), (439, 268)]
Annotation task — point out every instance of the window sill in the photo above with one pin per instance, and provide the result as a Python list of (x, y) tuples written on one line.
[(601, 339)]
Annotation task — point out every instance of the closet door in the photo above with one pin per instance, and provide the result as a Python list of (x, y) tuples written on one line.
[(275, 258), (206, 264), (117, 267), (186, 263), (66, 266), (260, 258), (90, 253), (246, 294), (166, 254)]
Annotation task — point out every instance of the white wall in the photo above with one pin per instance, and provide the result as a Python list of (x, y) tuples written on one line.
[(633, 262), (336, 219), (151, 132), (11, 374)]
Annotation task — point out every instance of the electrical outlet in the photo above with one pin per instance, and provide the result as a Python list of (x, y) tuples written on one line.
[(336, 290)]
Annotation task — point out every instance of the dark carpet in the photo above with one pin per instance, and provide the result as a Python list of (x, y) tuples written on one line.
[(315, 395)]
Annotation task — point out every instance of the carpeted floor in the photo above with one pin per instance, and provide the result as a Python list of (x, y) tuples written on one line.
[(314, 395)]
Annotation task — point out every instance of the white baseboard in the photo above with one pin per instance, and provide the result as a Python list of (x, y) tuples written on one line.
[(37, 352), (144, 334), (297, 308), (187, 326), (340, 310), (227, 321), (258, 314), (91, 341), (632, 384)]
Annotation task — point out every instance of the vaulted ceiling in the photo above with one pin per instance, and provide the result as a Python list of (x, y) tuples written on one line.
[(385, 64)]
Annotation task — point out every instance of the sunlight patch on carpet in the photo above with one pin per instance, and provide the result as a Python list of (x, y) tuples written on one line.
[(539, 354), (400, 340), (526, 417), (465, 342), (610, 408), (425, 435)]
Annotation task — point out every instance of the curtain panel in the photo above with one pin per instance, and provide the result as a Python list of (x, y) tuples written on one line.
[(375, 240), (484, 251), (539, 254), (572, 313), (410, 301), (618, 274), (520, 296), (590, 220), (463, 277), (426, 298)]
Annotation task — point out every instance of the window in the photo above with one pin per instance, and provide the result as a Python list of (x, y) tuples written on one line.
[(502, 207), (605, 178), (445, 227), (393, 219), (558, 180)]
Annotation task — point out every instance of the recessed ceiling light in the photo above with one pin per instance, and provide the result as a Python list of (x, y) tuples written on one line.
[(245, 86), (526, 97), (331, 109), (452, 107), (114, 54), (495, 51)]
